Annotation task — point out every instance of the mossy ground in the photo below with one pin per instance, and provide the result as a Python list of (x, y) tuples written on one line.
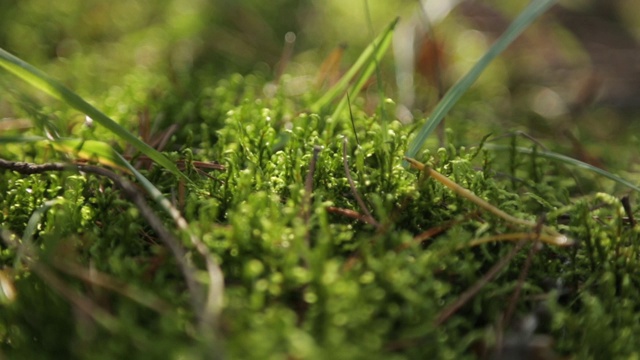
[(304, 280), (305, 276)]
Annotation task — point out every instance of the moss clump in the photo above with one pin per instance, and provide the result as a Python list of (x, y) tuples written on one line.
[(305, 276)]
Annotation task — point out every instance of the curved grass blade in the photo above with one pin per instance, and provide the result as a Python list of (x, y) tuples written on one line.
[(567, 160), (101, 153), (20, 139), (93, 150), (35, 219), (526, 17), (551, 234), (375, 50), (42, 81), (372, 65)]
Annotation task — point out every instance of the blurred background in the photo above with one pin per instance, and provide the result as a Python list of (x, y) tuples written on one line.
[(572, 79)]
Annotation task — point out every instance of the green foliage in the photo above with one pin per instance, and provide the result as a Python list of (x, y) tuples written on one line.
[(311, 286), (305, 277)]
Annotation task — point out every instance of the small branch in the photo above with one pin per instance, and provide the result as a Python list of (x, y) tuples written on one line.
[(473, 290), (115, 285), (287, 53), (83, 303), (553, 236), (544, 238), (137, 198), (626, 204), (350, 214), (523, 274), (306, 202), (363, 206), (330, 67), (308, 183), (428, 234)]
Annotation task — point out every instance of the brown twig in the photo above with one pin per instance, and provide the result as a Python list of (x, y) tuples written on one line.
[(350, 214), (626, 204), (131, 192), (308, 183), (287, 53), (308, 191), (523, 274), (105, 281), (81, 302), (553, 236), (363, 206), (428, 234), (473, 290)]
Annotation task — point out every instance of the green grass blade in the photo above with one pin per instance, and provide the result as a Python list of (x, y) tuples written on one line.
[(526, 17), (372, 65), (567, 160), (20, 139), (40, 80), (93, 150), (32, 225), (99, 152), (32, 228), (366, 58)]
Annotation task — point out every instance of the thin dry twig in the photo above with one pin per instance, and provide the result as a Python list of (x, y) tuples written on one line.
[(287, 53), (551, 235), (428, 234), (308, 183), (350, 214), (523, 274), (484, 280), (363, 206), (105, 281), (516, 236), (626, 204), (131, 192), (308, 192), (83, 303)]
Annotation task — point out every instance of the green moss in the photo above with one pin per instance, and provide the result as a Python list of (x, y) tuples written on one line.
[(304, 278), (326, 284)]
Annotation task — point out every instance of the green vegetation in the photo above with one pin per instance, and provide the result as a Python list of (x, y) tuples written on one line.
[(187, 211)]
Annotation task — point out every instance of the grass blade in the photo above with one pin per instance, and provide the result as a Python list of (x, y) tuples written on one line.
[(372, 65), (93, 150), (526, 17), (367, 57), (101, 153), (43, 82), (567, 160)]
